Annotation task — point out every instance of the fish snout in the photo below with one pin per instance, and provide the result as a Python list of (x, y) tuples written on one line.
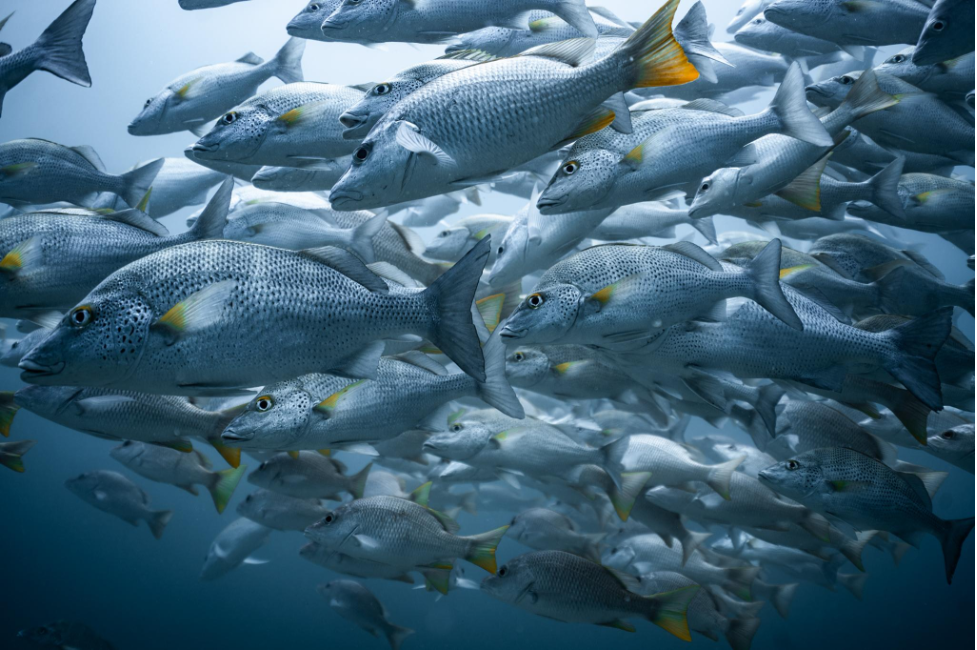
[(547, 202), (352, 120), (509, 331), (34, 366), (342, 196), (231, 434)]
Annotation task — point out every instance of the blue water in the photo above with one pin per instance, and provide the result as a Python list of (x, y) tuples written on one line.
[(66, 560)]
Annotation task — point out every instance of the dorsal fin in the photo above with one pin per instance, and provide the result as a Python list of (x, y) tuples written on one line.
[(449, 524), (916, 483), (468, 55), (693, 252), (251, 58), (388, 271), (137, 219), (573, 52), (88, 153), (347, 264), (712, 106)]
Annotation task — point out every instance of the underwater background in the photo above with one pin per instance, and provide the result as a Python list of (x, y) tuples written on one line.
[(65, 560)]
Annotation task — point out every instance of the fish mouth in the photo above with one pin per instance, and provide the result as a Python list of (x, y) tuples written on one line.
[(545, 202), (344, 196), (428, 446), (32, 369), (330, 24), (353, 120), (763, 476), (510, 332), (231, 435), (205, 148)]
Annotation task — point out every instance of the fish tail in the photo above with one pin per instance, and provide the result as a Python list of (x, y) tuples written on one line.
[(623, 496), (450, 299), (396, 635), (135, 184), (852, 548), (576, 14), (955, 533), (210, 224), (11, 456), (884, 188), (652, 57), (8, 409), (495, 390), (157, 523), (361, 238), (768, 396), (436, 579), (288, 61), (865, 97), (668, 610), (790, 107), (739, 580), (853, 582), (358, 481), (764, 271), (690, 542), (740, 632), (481, 548), (916, 344), (59, 49), (720, 475), (225, 482)]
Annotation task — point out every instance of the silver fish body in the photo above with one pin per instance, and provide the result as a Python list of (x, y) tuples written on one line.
[(308, 475), (233, 546), (279, 511), (358, 605), (115, 494), (882, 23)]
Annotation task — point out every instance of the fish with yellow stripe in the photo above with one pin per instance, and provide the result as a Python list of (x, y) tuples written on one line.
[(193, 100), (476, 122)]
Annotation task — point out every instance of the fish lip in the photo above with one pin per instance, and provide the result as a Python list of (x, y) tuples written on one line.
[(330, 24), (428, 445), (353, 120), (231, 436), (205, 148), (510, 332), (544, 202), (345, 196), (34, 369)]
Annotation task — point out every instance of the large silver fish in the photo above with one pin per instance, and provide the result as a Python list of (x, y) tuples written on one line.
[(947, 32), (852, 23), (161, 324), (57, 50)]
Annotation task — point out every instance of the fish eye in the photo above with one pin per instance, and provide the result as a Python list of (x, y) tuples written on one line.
[(939, 25), (846, 80), (571, 167), (230, 118), (264, 403), (535, 301), (81, 316), (148, 102), (758, 21), (518, 356), (443, 233), (899, 58), (329, 518), (361, 154), (314, 7), (381, 89), (947, 434), (263, 465), (503, 571), (500, 250), (704, 188), (457, 427), (793, 464)]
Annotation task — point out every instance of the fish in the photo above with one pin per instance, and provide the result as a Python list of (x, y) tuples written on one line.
[(650, 219), (617, 294), (700, 141), (571, 589), (750, 71), (450, 244), (309, 475), (65, 634), (54, 259), (285, 125), (279, 511), (179, 184), (39, 171), (11, 454), (334, 561), (929, 203), (18, 348), (863, 22), (176, 324), (193, 100), (762, 34), (401, 533), (747, 11), (951, 79), (542, 529), (954, 445), (115, 494), (945, 35), (184, 470), (358, 605), (313, 176), (307, 23), (868, 495), (803, 426), (565, 90), (323, 411), (433, 22), (360, 117), (57, 50), (234, 545)]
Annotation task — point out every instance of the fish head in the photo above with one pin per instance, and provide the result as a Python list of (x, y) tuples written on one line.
[(97, 343), (46, 401), (760, 33), (583, 180), (274, 419), (940, 20), (620, 557), (546, 315), (451, 244), (831, 92), (515, 253), (379, 172), (718, 191), (513, 583), (799, 15), (359, 17), (84, 485), (238, 134), (463, 440), (899, 65), (128, 452), (746, 11), (956, 443), (361, 116), (335, 530), (44, 635), (493, 40), (526, 366), (151, 118), (796, 478), (308, 22), (19, 347)]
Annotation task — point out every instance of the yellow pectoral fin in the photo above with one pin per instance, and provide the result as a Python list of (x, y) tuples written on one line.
[(330, 403)]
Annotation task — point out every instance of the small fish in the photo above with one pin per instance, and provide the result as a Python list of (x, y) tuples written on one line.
[(930, 203), (542, 529), (18, 348), (307, 23), (868, 495), (285, 125), (749, 73), (656, 219), (334, 561), (951, 79), (451, 244), (762, 34), (193, 100), (234, 546), (309, 475), (571, 589), (946, 34), (54, 259), (180, 184), (747, 11), (38, 171), (400, 533), (358, 605), (955, 446), (57, 50), (11, 453), (279, 511), (857, 22), (165, 465), (65, 635), (178, 304), (115, 494)]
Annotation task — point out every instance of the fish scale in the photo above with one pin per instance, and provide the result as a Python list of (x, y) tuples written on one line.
[(59, 173)]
